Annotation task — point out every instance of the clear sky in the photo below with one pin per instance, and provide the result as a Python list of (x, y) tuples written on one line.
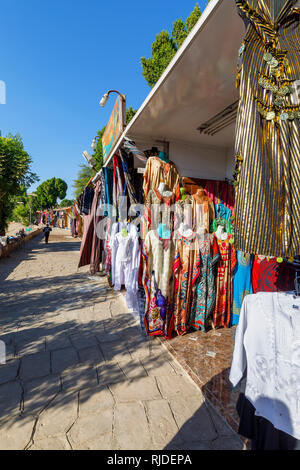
[(58, 57)]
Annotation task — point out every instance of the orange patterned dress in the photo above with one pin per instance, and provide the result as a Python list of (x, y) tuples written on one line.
[(186, 271), (226, 265)]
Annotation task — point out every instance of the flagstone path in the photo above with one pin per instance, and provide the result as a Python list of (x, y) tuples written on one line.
[(79, 374)]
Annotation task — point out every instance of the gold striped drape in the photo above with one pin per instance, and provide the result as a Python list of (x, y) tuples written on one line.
[(267, 148)]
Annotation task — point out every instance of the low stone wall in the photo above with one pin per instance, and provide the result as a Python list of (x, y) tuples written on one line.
[(6, 250)]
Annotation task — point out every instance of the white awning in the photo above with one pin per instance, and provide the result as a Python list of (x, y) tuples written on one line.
[(198, 84)]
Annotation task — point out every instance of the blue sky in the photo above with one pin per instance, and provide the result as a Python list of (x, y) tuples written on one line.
[(58, 57)]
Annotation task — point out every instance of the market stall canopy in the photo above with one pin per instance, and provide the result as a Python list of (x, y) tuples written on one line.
[(197, 85)]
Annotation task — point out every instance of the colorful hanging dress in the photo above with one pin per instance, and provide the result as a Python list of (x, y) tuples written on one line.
[(157, 172), (205, 283), (158, 211), (186, 272), (267, 147), (203, 212), (184, 212), (242, 284), (158, 259), (226, 265)]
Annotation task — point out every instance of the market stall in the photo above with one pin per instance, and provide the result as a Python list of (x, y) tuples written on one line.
[(177, 167), (68, 218)]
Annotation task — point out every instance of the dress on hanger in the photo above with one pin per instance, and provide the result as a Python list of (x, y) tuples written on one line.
[(242, 284), (226, 265), (203, 212), (184, 212), (158, 171), (265, 274), (126, 256), (267, 147), (267, 349), (205, 283), (158, 258), (186, 271), (158, 211)]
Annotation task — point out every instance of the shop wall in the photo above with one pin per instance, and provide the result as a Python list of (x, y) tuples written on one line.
[(230, 163), (199, 161)]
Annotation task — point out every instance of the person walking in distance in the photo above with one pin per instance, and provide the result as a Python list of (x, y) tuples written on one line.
[(47, 231)]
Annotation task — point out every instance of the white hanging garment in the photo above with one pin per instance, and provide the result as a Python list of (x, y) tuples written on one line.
[(125, 262), (267, 346)]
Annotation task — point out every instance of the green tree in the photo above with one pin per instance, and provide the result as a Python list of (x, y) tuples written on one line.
[(21, 213), (98, 152), (130, 112), (163, 50), (85, 172), (49, 191), (15, 173), (179, 32), (165, 47), (66, 203), (193, 18)]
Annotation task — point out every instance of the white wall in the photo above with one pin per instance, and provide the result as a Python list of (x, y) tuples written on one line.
[(196, 161)]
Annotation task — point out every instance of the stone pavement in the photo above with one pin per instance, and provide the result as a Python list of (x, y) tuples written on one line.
[(79, 374)]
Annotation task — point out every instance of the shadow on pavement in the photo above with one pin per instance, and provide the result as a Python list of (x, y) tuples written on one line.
[(69, 342)]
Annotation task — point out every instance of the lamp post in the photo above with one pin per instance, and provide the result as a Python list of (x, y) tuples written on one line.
[(104, 98), (88, 157)]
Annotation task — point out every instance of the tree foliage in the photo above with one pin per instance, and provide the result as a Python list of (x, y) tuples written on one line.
[(66, 203), (83, 176), (49, 191), (130, 112), (85, 172), (165, 47), (163, 50), (15, 174), (21, 213)]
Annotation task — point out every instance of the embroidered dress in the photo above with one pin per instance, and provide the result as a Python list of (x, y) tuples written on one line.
[(203, 213), (158, 258), (126, 255), (267, 147), (184, 213), (265, 275), (158, 210), (157, 172), (242, 285), (226, 265), (267, 346), (186, 271), (205, 283)]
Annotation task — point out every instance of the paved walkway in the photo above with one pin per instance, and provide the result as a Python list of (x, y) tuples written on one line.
[(78, 372)]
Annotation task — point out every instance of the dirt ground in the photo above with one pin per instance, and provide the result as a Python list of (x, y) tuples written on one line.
[(14, 227)]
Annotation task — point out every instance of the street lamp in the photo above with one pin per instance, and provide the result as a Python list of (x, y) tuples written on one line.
[(88, 157), (94, 142), (104, 98)]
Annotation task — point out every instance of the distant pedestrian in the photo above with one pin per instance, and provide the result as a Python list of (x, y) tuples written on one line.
[(47, 231)]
